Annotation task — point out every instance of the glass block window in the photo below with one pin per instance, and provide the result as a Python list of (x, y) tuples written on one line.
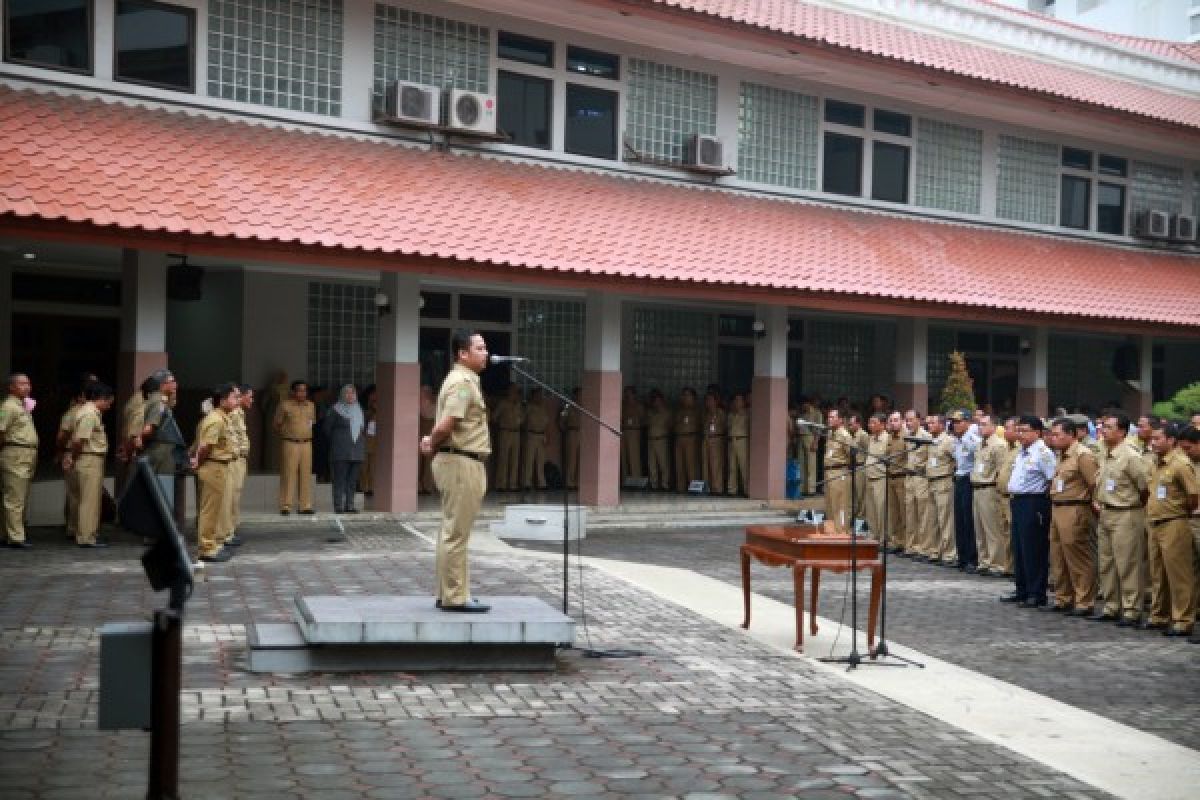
[(280, 53), (1156, 186), (672, 349), (550, 334), (949, 166), (1062, 378), (839, 359), (1196, 194), (342, 333), (1026, 180), (940, 342), (664, 105), (422, 48), (777, 136)]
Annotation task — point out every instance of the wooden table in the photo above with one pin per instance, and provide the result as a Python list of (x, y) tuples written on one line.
[(804, 547)]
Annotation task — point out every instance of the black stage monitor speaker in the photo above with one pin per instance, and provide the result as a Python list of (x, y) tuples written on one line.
[(144, 510)]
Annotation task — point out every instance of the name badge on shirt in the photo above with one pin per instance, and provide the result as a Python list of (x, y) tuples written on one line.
[(1058, 484), (1161, 494), (933, 461), (371, 428), (1110, 485), (979, 467), (712, 428)]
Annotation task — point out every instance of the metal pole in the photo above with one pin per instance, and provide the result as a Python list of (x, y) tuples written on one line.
[(166, 683)]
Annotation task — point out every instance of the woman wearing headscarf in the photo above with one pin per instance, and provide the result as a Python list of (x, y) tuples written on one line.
[(344, 426)]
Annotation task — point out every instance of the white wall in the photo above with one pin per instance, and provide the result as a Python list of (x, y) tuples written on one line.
[(204, 337)]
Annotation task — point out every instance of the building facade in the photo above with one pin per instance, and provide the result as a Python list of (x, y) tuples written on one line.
[(782, 197)]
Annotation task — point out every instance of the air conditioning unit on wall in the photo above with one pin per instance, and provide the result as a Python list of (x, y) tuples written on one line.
[(412, 103), (470, 111), (704, 152), (1152, 224), (1183, 228)]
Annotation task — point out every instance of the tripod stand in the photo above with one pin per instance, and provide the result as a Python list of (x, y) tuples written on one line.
[(881, 648), (567, 403)]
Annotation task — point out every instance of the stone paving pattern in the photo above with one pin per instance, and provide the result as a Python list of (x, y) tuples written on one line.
[(705, 713), (1138, 678)]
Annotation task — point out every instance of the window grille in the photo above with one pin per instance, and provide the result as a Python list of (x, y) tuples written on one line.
[(550, 334), (839, 359), (1156, 186), (1062, 379), (1026, 180), (671, 349), (665, 104), (777, 137), (949, 166), (422, 48), (941, 342), (280, 53), (342, 333)]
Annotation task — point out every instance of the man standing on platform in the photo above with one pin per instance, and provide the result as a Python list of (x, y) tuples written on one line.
[(461, 441), (294, 420), (18, 457), (1032, 471)]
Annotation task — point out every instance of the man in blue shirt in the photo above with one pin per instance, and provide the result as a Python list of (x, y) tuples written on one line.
[(966, 444), (1032, 472)]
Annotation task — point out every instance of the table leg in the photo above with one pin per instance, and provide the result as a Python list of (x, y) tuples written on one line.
[(745, 587), (798, 589), (812, 614), (873, 613)]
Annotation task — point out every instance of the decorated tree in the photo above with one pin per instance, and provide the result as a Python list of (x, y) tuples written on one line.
[(959, 391), (1185, 403)]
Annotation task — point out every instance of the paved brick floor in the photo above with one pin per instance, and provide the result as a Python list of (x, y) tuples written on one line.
[(705, 713), (1139, 678)]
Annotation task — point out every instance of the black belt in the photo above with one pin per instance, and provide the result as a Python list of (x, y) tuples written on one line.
[(937, 477), (298, 441), (983, 485), (480, 457), (218, 460), (1154, 523), (1021, 495), (876, 479), (1071, 502), (1108, 507)]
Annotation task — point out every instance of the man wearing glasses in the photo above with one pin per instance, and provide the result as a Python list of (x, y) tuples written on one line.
[(1032, 470)]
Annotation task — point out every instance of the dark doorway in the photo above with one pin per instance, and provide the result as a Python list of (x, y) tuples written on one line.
[(54, 351), (735, 368)]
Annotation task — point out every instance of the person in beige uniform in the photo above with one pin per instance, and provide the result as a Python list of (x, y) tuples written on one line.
[(687, 425), (1002, 556), (737, 424), (916, 487), (838, 444), (810, 443), (212, 454), (533, 449), (294, 420), (713, 438), (462, 444), (18, 457), (658, 432), (1139, 437), (897, 536), (875, 475), (89, 446), (1173, 498), (939, 544), (1071, 521), (66, 426), (130, 442), (237, 468), (985, 497), (854, 424), (633, 419), (507, 418), (1121, 541), (1189, 443)]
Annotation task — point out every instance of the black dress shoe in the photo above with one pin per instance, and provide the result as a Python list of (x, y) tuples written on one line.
[(307, 511), (1103, 618), (1080, 612), (221, 557), (1127, 622), (1152, 626), (1174, 632), (1010, 598), (284, 512), (1057, 608), (469, 607), (983, 571), (971, 569), (351, 510), (236, 541)]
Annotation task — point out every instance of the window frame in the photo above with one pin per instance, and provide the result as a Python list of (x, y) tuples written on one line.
[(868, 136), (193, 50), (91, 42), (551, 96), (616, 132), (1095, 176)]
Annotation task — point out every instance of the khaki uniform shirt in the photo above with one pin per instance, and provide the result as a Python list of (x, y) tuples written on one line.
[(808, 436), (89, 428), (1007, 461), (687, 421), (462, 398), (131, 416), (1075, 475), (714, 423), (1174, 481), (837, 449), (633, 416), (918, 457), (877, 449), (941, 456), (861, 440), (737, 424), (214, 432), (989, 460), (658, 423), (1123, 477), (294, 419), (66, 423), (508, 415), (536, 419), (895, 450), (17, 424), (238, 432)]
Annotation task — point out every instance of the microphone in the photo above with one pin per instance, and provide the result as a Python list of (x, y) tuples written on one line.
[(916, 440), (805, 423), (507, 359)]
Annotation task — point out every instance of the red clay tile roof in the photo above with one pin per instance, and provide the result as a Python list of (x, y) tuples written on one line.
[(136, 169), (878, 37)]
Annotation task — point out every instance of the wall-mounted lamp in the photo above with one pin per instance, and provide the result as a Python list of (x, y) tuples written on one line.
[(1026, 347), (382, 303), (760, 329)]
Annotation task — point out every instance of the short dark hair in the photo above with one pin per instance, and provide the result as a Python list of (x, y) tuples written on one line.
[(296, 384), (460, 339), (223, 390), (879, 416), (1190, 434), (1170, 429), (245, 387), (1122, 420), (12, 377), (97, 391), (1067, 425), (1034, 422)]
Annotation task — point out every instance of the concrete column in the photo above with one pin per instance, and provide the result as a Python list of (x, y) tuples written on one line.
[(143, 319), (1140, 400), (600, 449), (1033, 395), (911, 389), (398, 379), (6, 301), (768, 413)]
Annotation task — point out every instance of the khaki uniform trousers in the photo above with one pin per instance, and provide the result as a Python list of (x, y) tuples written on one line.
[(916, 514), (837, 498), (685, 461), (462, 482), (940, 543), (1121, 544), (16, 473), (533, 461), (738, 452), (1152, 566), (810, 469), (1176, 601), (1071, 536), (873, 506), (71, 503), (89, 475), (631, 452), (1194, 524), (508, 460), (985, 507), (658, 459), (897, 523), (212, 484), (714, 463), (572, 471), (237, 482), (1002, 553), (295, 475)]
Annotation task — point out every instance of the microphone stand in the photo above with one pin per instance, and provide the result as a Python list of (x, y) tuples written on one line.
[(881, 648), (567, 403)]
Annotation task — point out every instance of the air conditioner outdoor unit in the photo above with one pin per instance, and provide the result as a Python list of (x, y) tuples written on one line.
[(1152, 224), (703, 151), (470, 111), (1183, 228), (412, 103)]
